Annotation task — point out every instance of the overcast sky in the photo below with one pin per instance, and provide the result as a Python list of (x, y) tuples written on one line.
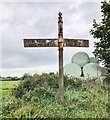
[(29, 19)]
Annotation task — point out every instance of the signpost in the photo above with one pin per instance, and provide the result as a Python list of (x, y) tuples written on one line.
[(59, 42)]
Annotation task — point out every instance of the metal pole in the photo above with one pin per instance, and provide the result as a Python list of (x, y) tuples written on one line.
[(60, 48)]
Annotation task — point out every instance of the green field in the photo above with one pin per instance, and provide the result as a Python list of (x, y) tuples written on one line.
[(5, 87)]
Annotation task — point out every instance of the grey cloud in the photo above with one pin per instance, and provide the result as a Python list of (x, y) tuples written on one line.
[(27, 61), (49, 1), (91, 11), (37, 20)]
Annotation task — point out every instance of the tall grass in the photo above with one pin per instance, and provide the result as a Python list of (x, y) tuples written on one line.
[(37, 97)]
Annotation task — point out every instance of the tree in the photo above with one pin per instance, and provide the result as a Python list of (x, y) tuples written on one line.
[(101, 31), (26, 75)]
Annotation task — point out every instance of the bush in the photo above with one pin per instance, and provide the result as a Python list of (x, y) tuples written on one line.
[(36, 95), (71, 82), (38, 83), (41, 83)]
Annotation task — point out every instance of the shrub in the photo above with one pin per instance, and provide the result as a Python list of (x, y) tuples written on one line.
[(71, 82), (38, 83), (35, 97)]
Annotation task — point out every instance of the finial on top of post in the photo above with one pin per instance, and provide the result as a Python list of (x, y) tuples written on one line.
[(60, 18), (60, 14)]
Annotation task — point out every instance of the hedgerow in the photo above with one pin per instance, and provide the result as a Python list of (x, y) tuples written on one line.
[(37, 97)]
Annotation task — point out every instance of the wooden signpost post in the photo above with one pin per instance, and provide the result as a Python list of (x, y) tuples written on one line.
[(59, 42)]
